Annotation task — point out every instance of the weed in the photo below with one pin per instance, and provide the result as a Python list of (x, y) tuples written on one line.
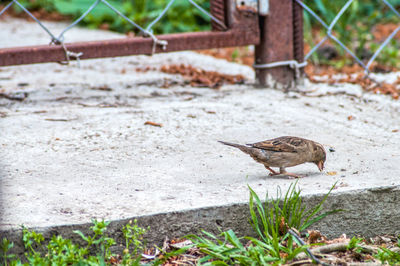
[(5, 247), (133, 240), (386, 255), (99, 240), (270, 221), (354, 244), (61, 251), (276, 215)]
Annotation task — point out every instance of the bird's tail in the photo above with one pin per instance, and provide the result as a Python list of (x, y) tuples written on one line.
[(243, 148)]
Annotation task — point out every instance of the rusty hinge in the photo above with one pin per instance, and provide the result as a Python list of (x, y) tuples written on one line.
[(257, 6)]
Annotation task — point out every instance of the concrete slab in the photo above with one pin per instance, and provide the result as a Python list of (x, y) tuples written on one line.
[(73, 150)]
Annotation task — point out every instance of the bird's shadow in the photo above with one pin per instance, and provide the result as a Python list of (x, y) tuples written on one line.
[(286, 177)]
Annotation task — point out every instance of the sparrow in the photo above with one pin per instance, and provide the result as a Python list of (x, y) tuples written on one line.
[(284, 152)]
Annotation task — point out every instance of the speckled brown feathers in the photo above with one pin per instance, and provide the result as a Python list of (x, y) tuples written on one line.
[(284, 152)]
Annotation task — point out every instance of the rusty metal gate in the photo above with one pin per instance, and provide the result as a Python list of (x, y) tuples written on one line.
[(274, 26)]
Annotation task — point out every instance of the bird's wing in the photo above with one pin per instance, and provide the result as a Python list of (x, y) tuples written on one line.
[(282, 144)]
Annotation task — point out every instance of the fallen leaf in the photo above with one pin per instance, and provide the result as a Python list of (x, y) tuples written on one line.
[(197, 77), (182, 244), (102, 88), (154, 124), (332, 173), (60, 119), (313, 236), (350, 117), (15, 96)]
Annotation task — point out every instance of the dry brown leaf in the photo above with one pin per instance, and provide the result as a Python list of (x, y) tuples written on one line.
[(154, 124)]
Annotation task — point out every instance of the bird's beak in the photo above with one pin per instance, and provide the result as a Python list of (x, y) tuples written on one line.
[(320, 165)]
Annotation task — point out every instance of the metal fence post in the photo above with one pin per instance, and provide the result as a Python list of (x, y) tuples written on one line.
[(217, 9), (277, 44), (298, 37)]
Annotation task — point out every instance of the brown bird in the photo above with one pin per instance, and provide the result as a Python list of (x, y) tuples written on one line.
[(284, 152)]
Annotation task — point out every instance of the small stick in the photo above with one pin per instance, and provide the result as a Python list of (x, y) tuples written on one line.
[(312, 256)]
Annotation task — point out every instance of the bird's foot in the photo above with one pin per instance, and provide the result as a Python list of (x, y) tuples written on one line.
[(272, 172), (289, 175)]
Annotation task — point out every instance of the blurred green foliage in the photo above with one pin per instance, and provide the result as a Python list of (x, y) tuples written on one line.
[(181, 17)]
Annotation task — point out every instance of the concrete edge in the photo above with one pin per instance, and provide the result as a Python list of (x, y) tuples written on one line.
[(368, 213)]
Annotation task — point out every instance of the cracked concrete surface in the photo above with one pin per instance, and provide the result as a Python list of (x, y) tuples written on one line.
[(77, 148)]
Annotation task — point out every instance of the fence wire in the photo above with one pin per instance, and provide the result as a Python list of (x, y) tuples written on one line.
[(329, 33), (145, 31)]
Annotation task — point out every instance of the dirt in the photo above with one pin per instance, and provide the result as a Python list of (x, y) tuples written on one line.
[(39, 13), (330, 251), (76, 145)]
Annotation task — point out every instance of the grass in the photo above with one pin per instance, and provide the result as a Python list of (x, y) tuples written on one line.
[(388, 256), (270, 221)]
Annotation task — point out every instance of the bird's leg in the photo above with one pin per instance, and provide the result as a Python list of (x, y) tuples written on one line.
[(271, 170), (291, 175)]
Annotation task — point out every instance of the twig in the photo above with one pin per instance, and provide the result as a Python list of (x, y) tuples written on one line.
[(329, 93), (295, 235), (60, 119), (300, 262), (326, 249), (332, 248), (154, 124), (18, 96)]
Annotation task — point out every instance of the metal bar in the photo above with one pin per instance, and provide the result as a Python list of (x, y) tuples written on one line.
[(128, 46), (298, 39), (276, 44), (208, 14), (217, 9)]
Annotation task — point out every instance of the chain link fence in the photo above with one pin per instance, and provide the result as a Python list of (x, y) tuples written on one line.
[(145, 31), (330, 34)]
